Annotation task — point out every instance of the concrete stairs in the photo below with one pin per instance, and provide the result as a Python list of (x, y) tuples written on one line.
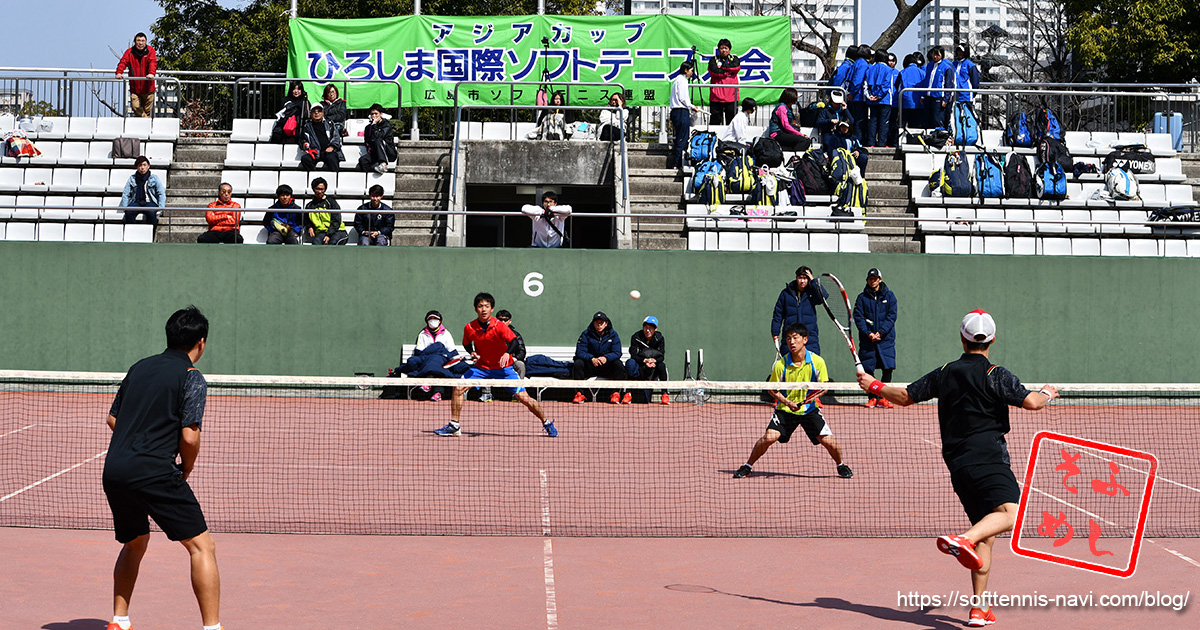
[(655, 189), (1191, 170), (422, 185), (192, 181), (887, 196)]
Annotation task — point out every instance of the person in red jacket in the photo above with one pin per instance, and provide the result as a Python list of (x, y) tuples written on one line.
[(142, 61), (723, 69), (224, 222)]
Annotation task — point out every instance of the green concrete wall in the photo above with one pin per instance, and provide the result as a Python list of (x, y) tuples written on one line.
[(335, 311)]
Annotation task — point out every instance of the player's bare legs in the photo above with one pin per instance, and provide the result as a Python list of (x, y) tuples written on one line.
[(206, 581), (831, 445), (761, 446), (979, 577), (125, 573), (456, 403), (530, 403), (999, 521)]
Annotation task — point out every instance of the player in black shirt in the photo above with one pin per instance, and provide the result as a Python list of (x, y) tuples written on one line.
[(154, 418), (973, 399)]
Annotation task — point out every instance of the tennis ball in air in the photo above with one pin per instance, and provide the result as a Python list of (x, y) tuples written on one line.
[(635, 294)]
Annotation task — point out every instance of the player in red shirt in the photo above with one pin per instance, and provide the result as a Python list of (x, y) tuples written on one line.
[(489, 339)]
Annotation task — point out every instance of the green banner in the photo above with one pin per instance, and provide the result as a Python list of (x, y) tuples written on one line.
[(430, 55)]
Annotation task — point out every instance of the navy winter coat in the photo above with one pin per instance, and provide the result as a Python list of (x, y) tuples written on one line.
[(592, 345), (791, 307), (875, 311)]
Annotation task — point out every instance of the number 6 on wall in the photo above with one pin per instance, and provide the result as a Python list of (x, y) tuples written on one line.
[(533, 284)]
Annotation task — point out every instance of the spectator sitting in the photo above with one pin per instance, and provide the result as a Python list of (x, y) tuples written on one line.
[(783, 121), (610, 123), (283, 227), (295, 106), (648, 357), (335, 108), (324, 228), (598, 353), (142, 61), (374, 219), (321, 142), (737, 135), (224, 222), (143, 189), (829, 117), (516, 347), (381, 148), (434, 334), (552, 123), (549, 221)]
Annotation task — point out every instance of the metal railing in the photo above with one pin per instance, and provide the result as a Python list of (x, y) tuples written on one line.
[(764, 110), (624, 157), (254, 104), (1082, 107), (93, 96)]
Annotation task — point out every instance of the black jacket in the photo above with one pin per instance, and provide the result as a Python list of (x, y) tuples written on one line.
[(331, 134), (516, 347), (641, 348), (381, 132), (368, 221)]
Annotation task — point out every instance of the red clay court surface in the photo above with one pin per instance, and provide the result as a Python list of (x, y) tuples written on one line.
[(317, 464)]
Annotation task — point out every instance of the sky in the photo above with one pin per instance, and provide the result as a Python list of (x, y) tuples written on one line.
[(82, 38)]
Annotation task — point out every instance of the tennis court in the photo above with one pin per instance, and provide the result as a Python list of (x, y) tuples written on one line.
[(629, 518)]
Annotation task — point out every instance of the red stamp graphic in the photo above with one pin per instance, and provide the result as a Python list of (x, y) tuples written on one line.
[(1084, 504)]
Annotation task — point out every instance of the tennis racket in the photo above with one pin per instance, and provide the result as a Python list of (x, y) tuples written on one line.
[(687, 394), (845, 330)]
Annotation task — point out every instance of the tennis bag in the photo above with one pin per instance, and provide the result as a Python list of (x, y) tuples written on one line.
[(1017, 133), (1051, 182), (812, 169), (766, 190), (797, 196), (1018, 177), (767, 152), (710, 168), (957, 175), (1134, 158), (841, 163), (1053, 150), (1045, 125), (851, 194), (966, 127), (739, 174), (1121, 185), (711, 191), (702, 146), (989, 175)]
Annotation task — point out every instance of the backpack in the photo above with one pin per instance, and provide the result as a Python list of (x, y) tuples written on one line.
[(1053, 150), (1018, 177), (739, 174), (1134, 158), (989, 175), (711, 168), (796, 193), (812, 169), (1051, 182), (1121, 185), (966, 127), (841, 163), (1017, 133), (957, 175), (766, 189), (1045, 125), (711, 189), (850, 195), (702, 146), (767, 152)]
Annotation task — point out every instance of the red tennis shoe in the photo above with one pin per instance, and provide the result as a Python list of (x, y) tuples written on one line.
[(962, 549), (979, 617), (116, 626)]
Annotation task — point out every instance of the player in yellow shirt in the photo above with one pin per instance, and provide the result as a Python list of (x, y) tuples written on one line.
[(793, 409)]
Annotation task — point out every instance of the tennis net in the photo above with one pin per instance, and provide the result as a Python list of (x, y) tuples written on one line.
[(346, 455)]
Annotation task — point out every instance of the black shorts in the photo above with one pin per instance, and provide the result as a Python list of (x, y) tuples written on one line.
[(785, 422), (168, 500), (982, 488)]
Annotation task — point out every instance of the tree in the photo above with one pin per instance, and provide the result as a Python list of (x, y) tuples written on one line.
[(819, 38), (1143, 41), (39, 108), (1041, 54)]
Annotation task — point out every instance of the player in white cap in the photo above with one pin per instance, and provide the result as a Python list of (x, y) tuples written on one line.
[(973, 399)]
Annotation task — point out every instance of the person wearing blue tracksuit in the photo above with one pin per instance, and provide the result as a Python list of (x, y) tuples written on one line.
[(893, 127), (880, 88), (935, 100), (856, 95), (875, 313), (966, 76), (910, 77), (841, 76)]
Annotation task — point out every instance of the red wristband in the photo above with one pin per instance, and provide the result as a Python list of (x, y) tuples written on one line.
[(875, 387)]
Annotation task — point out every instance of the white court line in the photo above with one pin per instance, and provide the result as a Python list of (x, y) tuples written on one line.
[(548, 557), (57, 474), (1087, 451), (18, 430), (1175, 553)]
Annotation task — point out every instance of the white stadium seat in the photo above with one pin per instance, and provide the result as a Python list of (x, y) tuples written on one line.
[(165, 129), (66, 180), (160, 154), (140, 128), (1115, 246), (109, 128), (73, 153), (387, 180), (87, 208), (1024, 245), (1085, 247), (1146, 247), (80, 232), (239, 180), (57, 208), (100, 153), (111, 232), (139, 233), (50, 151), (268, 155), (81, 128), (264, 129), (244, 130), (262, 182), (11, 179), (1002, 245), (239, 155), (298, 180), (21, 232), (6, 203), (50, 231), (29, 207), (37, 179), (117, 178), (93, 180), (58, 128)]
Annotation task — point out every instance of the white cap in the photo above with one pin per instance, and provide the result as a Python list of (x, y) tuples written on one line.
[(978, 326)]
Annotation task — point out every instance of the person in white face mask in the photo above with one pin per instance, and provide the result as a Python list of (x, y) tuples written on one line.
[(434, 332)]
